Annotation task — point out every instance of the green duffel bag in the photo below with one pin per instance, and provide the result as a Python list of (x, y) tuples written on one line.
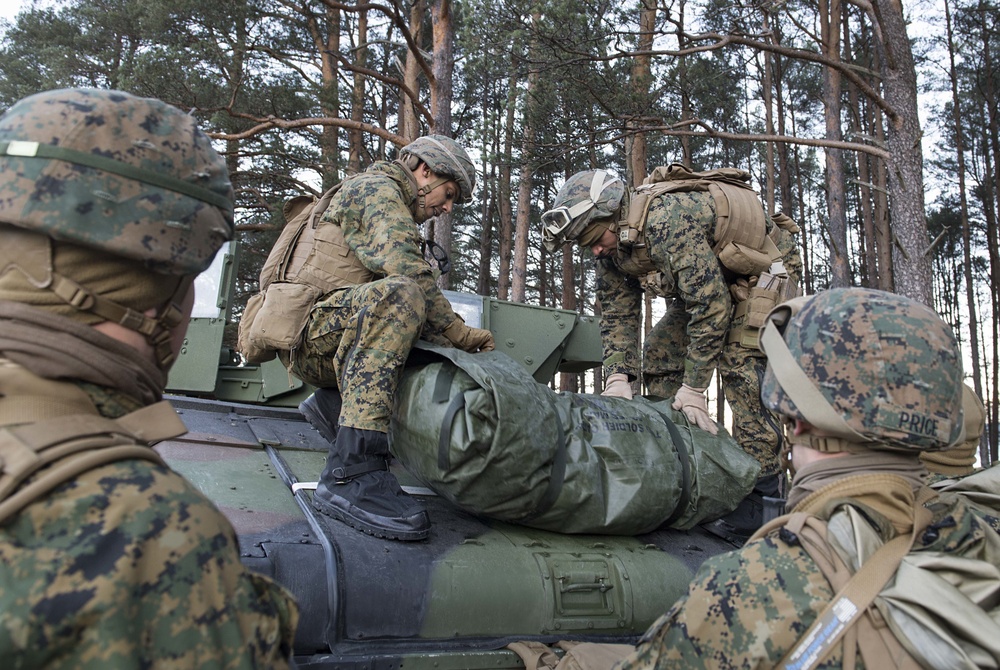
[(482, 433)]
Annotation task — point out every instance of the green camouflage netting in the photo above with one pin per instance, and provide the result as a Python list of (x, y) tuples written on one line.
[(479, 431)]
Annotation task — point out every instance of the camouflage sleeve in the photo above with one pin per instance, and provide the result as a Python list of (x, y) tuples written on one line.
[(380, 229), (790, 256), (744, 609), (620, 297), (129, 566), (679, 229)]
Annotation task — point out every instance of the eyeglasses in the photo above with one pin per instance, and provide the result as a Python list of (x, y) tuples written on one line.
[(439, 255)]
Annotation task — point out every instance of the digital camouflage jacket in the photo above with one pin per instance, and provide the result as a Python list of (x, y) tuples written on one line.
[(679, 230), (375, 212), (747, 608)]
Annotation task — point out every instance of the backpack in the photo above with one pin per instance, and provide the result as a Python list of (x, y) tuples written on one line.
[(741, 240), (291, 280), (901, 608)]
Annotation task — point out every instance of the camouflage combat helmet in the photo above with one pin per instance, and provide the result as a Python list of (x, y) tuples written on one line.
[(446, 158), (104, 169), (866, 366), (123, 176), (586, 196)]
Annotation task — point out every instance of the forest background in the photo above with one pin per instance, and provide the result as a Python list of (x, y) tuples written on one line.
[(819, 100)]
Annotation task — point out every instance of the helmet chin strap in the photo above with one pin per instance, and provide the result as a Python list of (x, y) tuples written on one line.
[(157, 330), (422, 192)]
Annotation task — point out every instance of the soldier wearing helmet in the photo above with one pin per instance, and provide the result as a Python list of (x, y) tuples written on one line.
[(866, 381), (375, 296), (110, 205), (660, 238)]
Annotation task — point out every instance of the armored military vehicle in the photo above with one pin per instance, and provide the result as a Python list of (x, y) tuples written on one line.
[(452, 601)]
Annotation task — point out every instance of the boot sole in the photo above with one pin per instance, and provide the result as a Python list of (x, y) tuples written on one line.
[(343, 516), (312, 414)]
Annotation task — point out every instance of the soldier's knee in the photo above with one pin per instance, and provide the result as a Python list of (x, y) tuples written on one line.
[(662, 386), (405, 295)]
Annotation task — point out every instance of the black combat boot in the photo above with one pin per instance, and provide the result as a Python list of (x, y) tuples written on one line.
[(322, 411), (762, 504), (357, 488)]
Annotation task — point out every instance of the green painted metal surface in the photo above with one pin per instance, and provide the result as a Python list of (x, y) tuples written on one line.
[(238, 478)]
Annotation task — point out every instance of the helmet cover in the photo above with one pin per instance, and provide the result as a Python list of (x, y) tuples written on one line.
[(131, 176), (585, 197), (446, 158), (889, 366)]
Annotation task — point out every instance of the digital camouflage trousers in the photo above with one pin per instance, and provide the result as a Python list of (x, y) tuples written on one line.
[(357, 340)]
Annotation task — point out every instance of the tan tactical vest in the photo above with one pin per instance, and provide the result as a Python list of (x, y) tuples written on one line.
[(306, 262), (50, 432), (306, 253), (741, 237), (741, 241)]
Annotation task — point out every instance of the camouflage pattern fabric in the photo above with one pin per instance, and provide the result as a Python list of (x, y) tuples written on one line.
[(128, 566), (791, 257), (357, 339), (755, 428), (124, 166), (747, 608), (689, 341), (888, 366)]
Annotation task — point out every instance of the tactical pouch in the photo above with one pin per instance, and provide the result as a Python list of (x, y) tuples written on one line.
[(763, 298), (743, 260), (246, 344), (279, 316), (657, 283), (748, 338), (750, 314)]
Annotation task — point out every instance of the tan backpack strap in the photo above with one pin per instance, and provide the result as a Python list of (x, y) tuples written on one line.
[(71, 445), (535, 655), (855, 597), (322, 205), (770, 526)]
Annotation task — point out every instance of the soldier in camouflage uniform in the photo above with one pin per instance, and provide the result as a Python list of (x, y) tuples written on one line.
[(110, 205), (866, 381), (378, 296), (696, 334)]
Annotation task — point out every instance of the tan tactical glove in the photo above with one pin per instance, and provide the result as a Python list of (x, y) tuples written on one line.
[(694, 404), (617, 386), (472, 340)]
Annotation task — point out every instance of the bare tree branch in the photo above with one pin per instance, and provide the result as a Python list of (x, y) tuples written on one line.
[(267, 123)]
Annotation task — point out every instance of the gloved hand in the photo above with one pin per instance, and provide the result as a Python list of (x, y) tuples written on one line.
[(468, 339), (694, 404), (617, 386)]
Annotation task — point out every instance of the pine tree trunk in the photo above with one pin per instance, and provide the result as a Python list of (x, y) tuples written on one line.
[(912, 268)]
